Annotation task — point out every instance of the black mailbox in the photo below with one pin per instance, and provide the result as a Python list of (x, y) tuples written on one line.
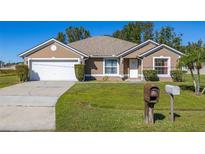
[(151, 93)]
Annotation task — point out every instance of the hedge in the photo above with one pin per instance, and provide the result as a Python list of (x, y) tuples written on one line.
[(22, 71), (150, 75), (177, 75), (80, 72)]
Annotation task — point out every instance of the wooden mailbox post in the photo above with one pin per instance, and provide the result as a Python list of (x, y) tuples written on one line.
[(151, 96), (172, 91)]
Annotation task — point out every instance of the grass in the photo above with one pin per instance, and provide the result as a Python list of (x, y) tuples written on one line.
[(119, 107), (8, 80)]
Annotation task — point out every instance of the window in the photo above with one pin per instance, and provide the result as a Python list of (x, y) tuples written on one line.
[(110, 66), (161, 65)]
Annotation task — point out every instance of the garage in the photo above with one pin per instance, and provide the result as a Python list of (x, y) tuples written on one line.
[(52, 69)]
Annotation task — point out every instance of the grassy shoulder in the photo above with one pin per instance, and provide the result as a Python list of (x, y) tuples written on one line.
[(119, 107), (8, 80)]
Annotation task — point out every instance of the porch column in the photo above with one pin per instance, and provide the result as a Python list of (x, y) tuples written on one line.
[(142, 76), (121, 67), (82, 60)]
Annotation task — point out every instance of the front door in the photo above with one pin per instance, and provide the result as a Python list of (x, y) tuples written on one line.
[(133, 68)]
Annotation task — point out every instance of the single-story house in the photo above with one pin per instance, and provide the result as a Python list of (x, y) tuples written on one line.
[(103, 56)]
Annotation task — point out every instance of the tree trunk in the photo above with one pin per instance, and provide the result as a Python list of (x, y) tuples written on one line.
[(194, 80), (203, 91), (198, 82)]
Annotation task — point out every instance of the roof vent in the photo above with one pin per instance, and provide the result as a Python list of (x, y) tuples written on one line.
[(53, 48)]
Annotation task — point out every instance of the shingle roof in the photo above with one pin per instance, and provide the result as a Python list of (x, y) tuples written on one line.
[(102, 46)]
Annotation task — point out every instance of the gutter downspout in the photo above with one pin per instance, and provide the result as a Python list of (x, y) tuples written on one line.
[(142, 76), (84, 59)]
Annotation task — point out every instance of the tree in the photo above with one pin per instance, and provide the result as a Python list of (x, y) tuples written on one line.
[(167, 35), (61, 37), (148, 31), (139, 32), (118, 34), (76, 33), (136, 32), (194, 59)]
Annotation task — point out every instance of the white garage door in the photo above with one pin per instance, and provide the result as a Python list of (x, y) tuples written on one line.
[(52, 70)]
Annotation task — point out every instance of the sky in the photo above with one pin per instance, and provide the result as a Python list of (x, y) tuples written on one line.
[(16, 37)]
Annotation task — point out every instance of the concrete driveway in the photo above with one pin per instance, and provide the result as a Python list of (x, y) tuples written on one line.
[(30, 106)]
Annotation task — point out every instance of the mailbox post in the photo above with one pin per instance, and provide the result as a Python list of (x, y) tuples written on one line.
[(151, 97), (172, 90)]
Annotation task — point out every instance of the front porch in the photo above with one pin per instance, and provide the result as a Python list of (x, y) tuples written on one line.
[(131, 69)]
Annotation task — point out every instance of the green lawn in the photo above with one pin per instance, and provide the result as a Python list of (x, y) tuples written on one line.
[(8, 80), (119, 107)]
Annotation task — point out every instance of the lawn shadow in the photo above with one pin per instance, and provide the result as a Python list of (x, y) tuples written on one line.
[(158, 116), (186, 87), (190, 87), (176, 115)]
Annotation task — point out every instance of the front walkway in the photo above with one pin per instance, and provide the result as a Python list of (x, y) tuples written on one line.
[(30, 106)]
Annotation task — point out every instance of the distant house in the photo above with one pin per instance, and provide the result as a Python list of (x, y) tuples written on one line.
[(102, 56), (1, 64), (202, 70), (5, 66), (12, 67)]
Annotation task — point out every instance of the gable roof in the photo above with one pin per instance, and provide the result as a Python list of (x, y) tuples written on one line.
[(48, 42), (137, 47), (102, 46), (160, 47)]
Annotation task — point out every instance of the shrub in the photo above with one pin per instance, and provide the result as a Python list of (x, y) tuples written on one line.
[(105, 78), (80, 72), (177, 75), (184, 72), (150, 75), (22, 72)]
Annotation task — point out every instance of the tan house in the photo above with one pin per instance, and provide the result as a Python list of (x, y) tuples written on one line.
[(103, 56)]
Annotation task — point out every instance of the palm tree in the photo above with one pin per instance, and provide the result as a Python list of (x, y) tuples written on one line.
[(187, 62), (194, 59)]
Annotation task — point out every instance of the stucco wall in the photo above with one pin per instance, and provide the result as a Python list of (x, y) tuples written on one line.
[(46, 52), (148, 61), (136, 53), (126, 66), (94, 66)]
